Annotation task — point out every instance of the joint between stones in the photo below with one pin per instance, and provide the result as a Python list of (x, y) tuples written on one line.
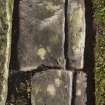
[(66, 35)]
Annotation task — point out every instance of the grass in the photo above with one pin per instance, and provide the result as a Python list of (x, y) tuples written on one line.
[(99, 18)]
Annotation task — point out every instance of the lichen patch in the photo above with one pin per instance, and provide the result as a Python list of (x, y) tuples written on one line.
[(58, 82), (51, 90), (78, 93), (51, 7), (41, 52)]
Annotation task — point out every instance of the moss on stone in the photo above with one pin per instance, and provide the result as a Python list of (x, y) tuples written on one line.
[(6, 7)]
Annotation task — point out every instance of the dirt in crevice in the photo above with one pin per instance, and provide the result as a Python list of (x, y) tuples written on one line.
[(19, 90)]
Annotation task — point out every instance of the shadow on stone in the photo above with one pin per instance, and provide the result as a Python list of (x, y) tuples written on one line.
[(19, 89), (90, 54), (14, 64), (19, 82)]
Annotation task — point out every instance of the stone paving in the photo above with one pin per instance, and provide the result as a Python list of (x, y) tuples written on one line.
[(50, 45)]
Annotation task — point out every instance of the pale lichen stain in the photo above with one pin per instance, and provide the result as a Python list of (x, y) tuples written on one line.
[(37, 89), (59, 73), (51, 7), (58, 82), (78, 93), (41, 52), (78, 81), (51, 90)]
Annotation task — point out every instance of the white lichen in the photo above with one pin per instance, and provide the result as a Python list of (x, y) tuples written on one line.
[(41, 52), (51, 90)]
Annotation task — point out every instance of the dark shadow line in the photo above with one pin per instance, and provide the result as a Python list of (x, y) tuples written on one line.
[(89, 56), (14, 79), (66, 36), (74, 88), (13, 59), (14, 63)]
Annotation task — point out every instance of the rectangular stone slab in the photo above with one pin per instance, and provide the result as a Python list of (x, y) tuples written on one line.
[(76, 33), (41, 33), (81, 87), (6, 7), (52, 87)]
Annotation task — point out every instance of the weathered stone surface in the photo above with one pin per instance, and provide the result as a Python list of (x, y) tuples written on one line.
[(76, 33), (41, 33), (81, 86), (6, 7), (52, 87)]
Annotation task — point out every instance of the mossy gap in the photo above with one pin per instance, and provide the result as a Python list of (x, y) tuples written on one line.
[(89, 53)]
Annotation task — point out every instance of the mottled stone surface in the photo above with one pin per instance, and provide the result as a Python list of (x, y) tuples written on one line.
[(76, 33), (52, 87), (41, 33), (6, 7), (81, 87)]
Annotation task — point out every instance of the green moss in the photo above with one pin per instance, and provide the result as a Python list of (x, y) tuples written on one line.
[(5, 42), (100, 70), (99, 17)]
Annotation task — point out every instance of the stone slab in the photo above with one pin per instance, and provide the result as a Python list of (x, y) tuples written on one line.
[(52, 87), (81, 87), (41, 33), (6, 7), (76, 33)]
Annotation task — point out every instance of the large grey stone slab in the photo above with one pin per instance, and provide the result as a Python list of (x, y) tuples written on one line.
[(41, 33), (76, 33), (52, 87), (6, 7), (81, 87)]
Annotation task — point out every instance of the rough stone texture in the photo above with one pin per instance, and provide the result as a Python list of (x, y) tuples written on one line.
[(41, 33), (76, 33), (6, 7), (81, 86), (52, 87)]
